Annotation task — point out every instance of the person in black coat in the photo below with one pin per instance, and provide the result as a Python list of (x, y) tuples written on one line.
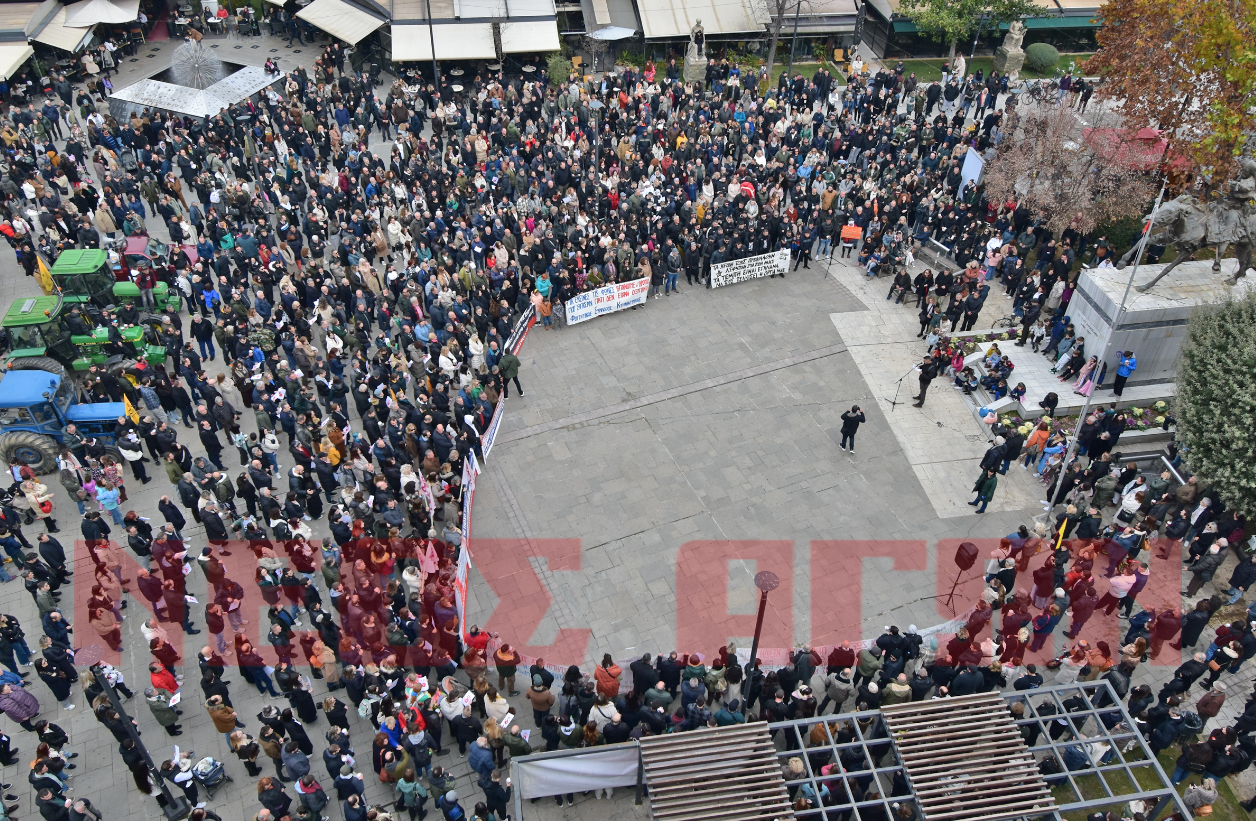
[(56, 679), (851, 420), (172, 514), (296, 732), (1193, 624), (53, 553)]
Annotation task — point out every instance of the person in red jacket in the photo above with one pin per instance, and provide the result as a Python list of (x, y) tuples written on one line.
[(162, 678)]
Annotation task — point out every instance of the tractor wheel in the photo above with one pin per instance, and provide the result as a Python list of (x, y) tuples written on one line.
[(37, 363), (37, 451)]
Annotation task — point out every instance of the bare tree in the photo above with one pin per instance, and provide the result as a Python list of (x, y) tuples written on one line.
[(1084, 174), (781, 11)]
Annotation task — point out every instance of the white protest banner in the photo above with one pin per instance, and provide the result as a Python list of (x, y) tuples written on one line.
[(740, 270), (607, 299)]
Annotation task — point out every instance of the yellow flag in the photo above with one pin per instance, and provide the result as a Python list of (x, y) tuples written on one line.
[(130, 410), (42, 276)]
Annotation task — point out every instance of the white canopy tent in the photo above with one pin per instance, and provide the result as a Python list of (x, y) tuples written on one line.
[(529, 36), (340, 19), (676, 18), (454, 41), (57, 34), (12, 55), (92, 12), (612, 33)]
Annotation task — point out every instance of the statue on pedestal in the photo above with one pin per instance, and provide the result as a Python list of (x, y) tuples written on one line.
[(695, 54), (1191, 225), (1010, 56), (697, 41)]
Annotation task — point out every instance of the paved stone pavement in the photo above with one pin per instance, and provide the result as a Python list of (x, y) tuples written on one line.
[(705, 416)]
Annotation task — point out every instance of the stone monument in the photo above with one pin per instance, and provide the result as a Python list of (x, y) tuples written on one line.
[(695, 55), (1154, 324), (1009, 57)]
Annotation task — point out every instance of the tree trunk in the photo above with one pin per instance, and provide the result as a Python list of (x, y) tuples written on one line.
[(950, 57), (777, 22)]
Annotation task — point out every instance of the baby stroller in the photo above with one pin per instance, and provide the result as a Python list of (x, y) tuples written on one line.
[(210, 773)]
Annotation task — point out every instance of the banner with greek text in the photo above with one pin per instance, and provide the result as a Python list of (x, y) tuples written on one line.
[(607, 299), (740, 270)]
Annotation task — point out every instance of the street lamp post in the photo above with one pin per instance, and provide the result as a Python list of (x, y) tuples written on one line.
[(1071, 453), (175, 807), (431, 33), (766, 581), (597, 107)]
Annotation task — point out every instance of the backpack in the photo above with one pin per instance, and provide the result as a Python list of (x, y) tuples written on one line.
[(364, 707)]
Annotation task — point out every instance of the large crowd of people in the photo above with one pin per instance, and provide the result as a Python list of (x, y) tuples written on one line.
[(361, 303)]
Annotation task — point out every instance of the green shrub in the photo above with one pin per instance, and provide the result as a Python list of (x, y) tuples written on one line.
[(558, 67), (1041, 57)]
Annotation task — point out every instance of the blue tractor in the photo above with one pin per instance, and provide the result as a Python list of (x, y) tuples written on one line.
[(35, 407)]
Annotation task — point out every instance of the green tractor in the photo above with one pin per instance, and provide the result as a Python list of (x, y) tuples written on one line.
[(96, 279), (40, 340)]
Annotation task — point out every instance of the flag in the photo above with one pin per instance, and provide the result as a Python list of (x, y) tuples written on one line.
[(43, 276), (130, 410)]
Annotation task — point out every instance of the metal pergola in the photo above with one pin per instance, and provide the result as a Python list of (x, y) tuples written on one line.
[(1099, 758)]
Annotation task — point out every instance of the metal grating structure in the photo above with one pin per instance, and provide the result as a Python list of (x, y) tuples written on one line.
[(715, 774), (966, 759), (1079, 739)]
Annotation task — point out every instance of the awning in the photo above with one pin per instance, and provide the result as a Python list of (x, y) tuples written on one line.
[(340, 20), (676, 18), (454, 41), (91, 12), (57, 34), (529, 37), (883, 8), (12, 55), (1063, 22), (611, 33), (277, 2)]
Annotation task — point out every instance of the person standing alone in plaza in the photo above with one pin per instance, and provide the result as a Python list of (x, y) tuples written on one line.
[(509, 367), (851, 420), (928, 371)]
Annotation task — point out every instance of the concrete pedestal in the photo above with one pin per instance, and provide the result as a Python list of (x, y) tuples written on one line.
[(1154, 324), (695, 68), (1008, 60)]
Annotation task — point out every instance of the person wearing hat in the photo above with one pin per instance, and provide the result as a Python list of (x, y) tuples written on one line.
[(449, 806)]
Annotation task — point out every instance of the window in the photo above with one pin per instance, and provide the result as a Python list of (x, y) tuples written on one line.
[(43, 412)]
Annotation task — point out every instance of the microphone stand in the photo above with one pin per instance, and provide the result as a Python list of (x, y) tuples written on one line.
[(894, 403)]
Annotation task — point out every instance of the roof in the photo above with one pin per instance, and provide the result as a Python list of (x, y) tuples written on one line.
[(31, 311), (18, 389), (15, 16), (95, 411), (1141, 151), (78, 261)]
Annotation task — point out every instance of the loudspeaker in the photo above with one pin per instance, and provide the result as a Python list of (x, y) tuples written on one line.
[(966, 555)]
